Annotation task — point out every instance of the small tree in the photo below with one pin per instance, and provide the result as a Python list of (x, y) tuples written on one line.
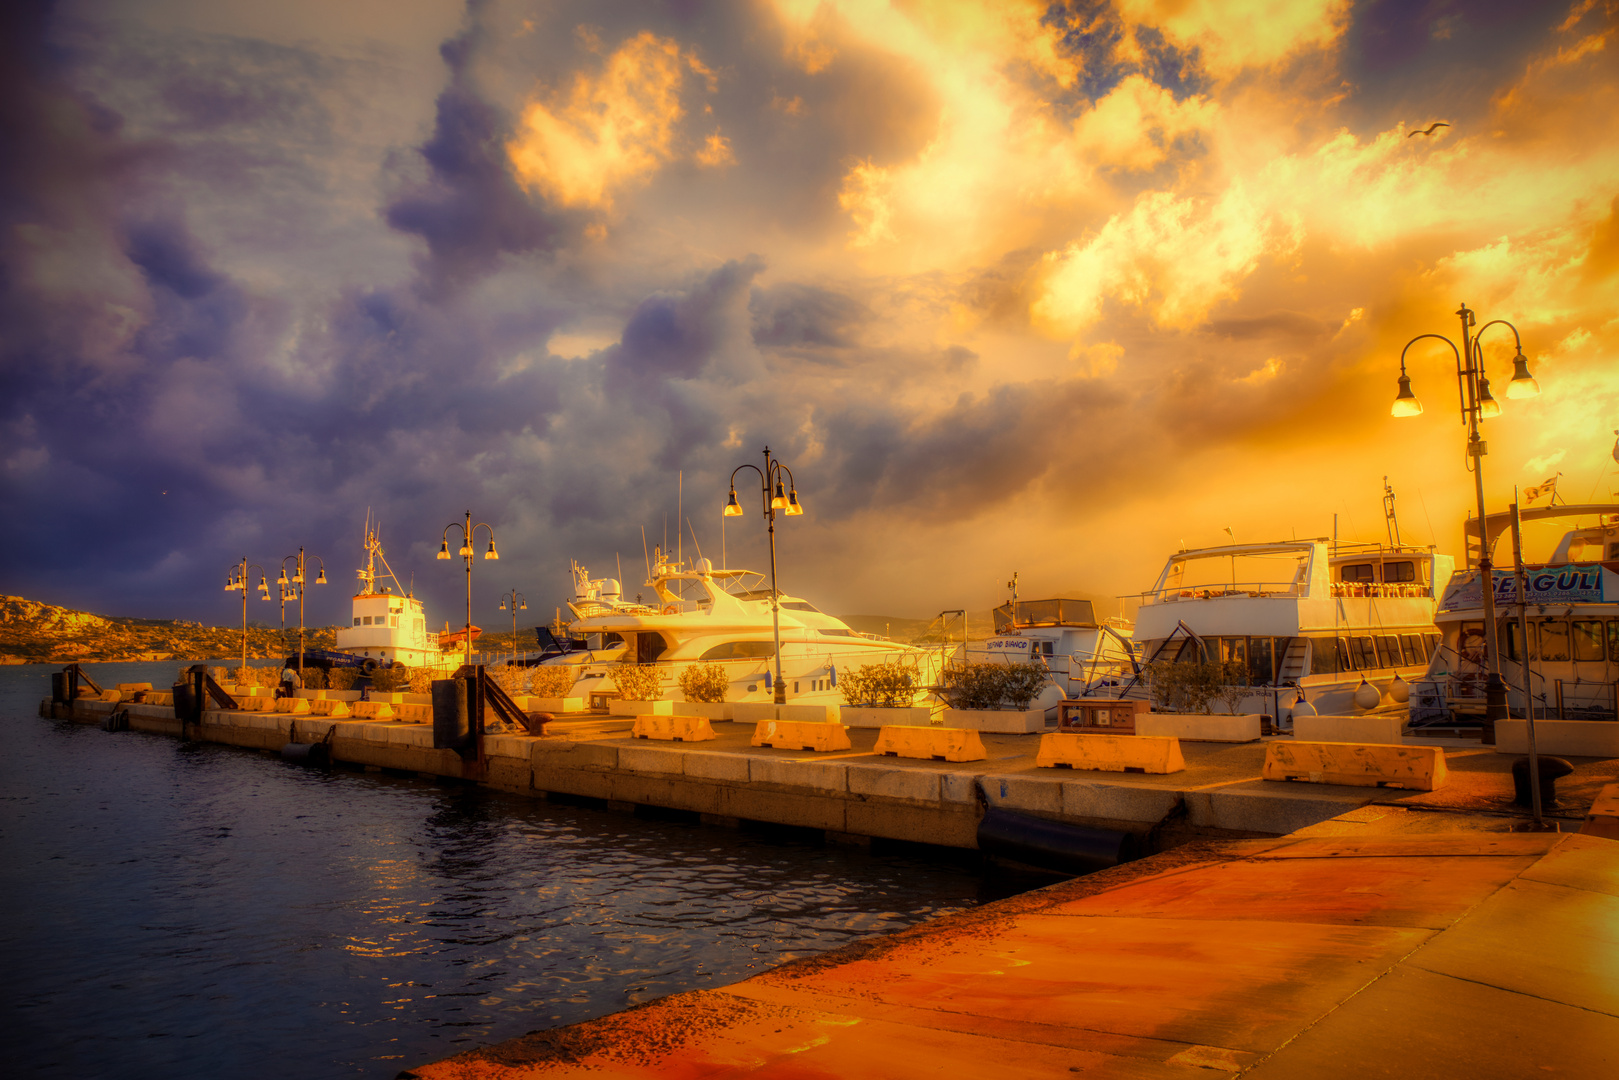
[(391, 680), (314, 678), (704, 682), (637, 682), (994, 685), (421, 681), (342, 678), (1233, 685), (1184, 685)]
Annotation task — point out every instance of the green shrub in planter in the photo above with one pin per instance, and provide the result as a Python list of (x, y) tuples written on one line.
[(880, 686), (552, 680), (994, 685), (342, 678), (637, 682), (1191, 685), (704, 682)]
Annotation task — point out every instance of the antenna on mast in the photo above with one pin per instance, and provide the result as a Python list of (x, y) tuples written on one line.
[(1392, 524)]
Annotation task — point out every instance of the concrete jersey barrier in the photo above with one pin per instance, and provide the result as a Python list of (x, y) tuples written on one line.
[(1110, 753), (1418, 768)]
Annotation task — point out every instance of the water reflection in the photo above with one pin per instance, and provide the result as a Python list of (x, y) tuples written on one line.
[(186, 909)]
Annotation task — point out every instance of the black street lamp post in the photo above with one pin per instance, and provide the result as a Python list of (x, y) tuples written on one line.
[(236, 581), (468, 529), (770, 477), (513, 601), (294, 587)]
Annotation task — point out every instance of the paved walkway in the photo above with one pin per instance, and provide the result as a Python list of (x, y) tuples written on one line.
[(1468, 955)]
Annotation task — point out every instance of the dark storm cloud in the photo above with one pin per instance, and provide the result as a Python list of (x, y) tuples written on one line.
[(799, 316), (1093, 31), (473, 211)]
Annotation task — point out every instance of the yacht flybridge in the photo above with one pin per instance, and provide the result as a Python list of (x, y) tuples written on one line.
[(707, 615), (1082, 652), (1569, 604), (1306, 614), (389, 625)]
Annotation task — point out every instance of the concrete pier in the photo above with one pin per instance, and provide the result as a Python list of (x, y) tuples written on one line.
[(857, 794), (1460, 955)]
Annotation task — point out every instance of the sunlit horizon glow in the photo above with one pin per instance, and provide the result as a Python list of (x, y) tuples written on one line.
[(1010, 286)]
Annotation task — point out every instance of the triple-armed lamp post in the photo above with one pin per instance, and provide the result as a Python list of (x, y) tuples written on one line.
[(295, 587), (1477, 404), (468, 529), (770, 477), (514, 601), (236, 581)]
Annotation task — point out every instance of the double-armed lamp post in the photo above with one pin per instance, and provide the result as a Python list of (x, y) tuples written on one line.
[(468, 529), (770, 479), (1477, 404), (236, 581), (513, 600), (294, 586)]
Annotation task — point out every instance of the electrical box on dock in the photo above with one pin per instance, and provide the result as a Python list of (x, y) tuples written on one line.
[(1098, 717)]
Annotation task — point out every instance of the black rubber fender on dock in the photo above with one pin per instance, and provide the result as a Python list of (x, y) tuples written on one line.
[(1048, 844), (315, 754)]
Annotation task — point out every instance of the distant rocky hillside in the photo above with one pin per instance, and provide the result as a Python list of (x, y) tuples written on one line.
[(36, 633)]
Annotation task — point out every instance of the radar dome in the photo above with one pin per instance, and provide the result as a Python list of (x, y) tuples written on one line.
[(611, 587)]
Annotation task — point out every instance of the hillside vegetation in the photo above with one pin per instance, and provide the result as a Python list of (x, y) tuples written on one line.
[(36, 633)]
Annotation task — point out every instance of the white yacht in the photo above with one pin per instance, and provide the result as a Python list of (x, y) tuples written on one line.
[(389, 624), (1301, 615), (1570, 606), (717, 616), (1082, 652)]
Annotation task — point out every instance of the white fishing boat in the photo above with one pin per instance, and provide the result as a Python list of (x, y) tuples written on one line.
[(1567, 600), (1083, 653), (389, 625), (1299, 616), (707, 615)]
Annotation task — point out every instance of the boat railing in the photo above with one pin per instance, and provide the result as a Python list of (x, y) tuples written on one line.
[(1216, 591), (1377, 590)]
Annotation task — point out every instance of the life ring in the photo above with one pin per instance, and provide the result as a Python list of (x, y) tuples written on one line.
[(369, 667), (670, 609)]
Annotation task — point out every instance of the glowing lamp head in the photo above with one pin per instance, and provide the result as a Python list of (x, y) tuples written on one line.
[(444, 549), (1523, 384), (1405, 402), (282, 580), (466, 550), (794, 507), (522, 605), (264, 586), (321, 579), (1488, 407), (731, 508), (491, 553), (779, 501), (230, 583)]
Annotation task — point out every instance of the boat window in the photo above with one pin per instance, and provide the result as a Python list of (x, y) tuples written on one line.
[(1399, 571), (368, 620), (1356, 572), (1323, 656), (1388, 650), (356, 620), (1553, 637), (1365, 652), (800, 605), (648, 646), (739, 650), (1588, 639), (1414, 652), (826, 632), (393, 620), (1613, 640)]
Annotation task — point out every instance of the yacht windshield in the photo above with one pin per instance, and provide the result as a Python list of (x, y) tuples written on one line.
[(1244, 572)]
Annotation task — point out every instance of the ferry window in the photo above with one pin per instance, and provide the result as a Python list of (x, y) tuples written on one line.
[(1553, 640), (1388, 650), (1414, 652), (1261, 661), (1357, 572), (739, 650), (1399, 571), (1613, 640), (1433, 643), (1588, 639), (368, 620), (356, 620), (1323, 656), (1513, 642), (1233, 650), (1365, 653)]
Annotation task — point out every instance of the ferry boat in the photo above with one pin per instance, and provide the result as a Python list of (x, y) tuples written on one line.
[(708, 615), (389, 625), (1083, 653), (1306, 618), (1569, 604)]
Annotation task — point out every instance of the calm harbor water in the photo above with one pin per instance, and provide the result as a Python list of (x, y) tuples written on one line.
[(173, 909)]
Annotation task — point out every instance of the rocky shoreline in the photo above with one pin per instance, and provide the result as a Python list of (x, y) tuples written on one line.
[(36, 633)]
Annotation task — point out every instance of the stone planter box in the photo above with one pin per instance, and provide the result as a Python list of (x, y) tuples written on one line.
[(553, 704), (1189, 727), (865, 717), (1375, 729), (751, 712), (713, 710), (1006, 721), (1574, 738), (415, 699), (627, 707)]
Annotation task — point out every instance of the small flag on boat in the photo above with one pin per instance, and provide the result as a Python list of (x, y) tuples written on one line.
[(1545, 487)]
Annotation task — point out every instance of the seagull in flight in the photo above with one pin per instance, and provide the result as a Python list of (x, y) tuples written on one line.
[(1429, 130)]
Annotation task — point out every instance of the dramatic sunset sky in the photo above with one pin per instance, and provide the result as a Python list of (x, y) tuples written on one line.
[(1045, 288)]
